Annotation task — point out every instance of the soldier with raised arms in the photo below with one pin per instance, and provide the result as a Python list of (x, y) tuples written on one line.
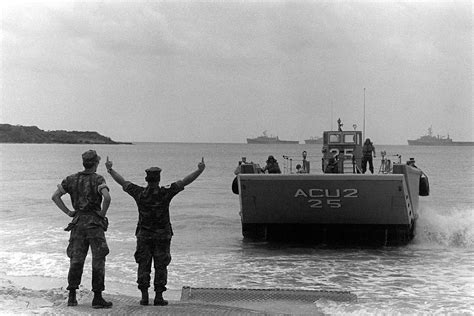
[(154, 230)]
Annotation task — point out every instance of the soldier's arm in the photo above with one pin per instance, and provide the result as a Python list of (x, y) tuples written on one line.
[(60, 204), (115, 175), (105, 202), (192, 176)]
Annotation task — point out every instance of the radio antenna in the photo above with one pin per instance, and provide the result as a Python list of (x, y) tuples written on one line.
[(363, 134)]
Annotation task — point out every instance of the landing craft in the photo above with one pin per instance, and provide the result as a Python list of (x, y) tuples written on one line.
[(344, 206)]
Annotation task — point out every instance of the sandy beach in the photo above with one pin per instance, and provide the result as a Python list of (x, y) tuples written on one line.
[(47, 296), (41, 295), (28, 296)]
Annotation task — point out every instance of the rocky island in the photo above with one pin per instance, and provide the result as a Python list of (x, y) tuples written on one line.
[(32, 134)]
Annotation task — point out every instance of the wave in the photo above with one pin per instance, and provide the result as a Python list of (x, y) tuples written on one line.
[(30, 264), (446, 227)]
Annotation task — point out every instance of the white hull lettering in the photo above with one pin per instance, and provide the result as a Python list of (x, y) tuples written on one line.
[(335, 194), (316, 193), (315, 203), (327, 198), (327, 193), (334, 203), (300, 192), (331, 203), (350, 193)]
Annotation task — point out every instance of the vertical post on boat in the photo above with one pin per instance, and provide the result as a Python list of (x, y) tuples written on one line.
[(331, 114), (363, 133)]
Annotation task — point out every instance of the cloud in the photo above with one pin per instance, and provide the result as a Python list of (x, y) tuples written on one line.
[(133, 28), (81, 36), (158, 66), (33, 39)]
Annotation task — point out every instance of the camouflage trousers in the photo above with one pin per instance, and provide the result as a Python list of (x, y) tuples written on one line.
[(158, 251), (79, 242)]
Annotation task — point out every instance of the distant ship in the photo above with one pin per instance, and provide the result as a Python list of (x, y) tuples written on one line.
[(314, 140), (265, 139), (430, 140)]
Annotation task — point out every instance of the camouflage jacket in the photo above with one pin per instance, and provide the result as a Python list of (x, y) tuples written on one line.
[(84, 189), (153, 208)]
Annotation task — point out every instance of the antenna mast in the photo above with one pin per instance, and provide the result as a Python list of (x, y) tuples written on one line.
[(331, 113), (363, 134)]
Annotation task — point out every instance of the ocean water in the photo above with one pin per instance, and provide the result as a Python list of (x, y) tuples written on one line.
[(433, 274)]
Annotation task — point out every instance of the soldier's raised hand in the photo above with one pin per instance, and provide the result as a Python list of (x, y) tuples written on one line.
[(201, 165), (108, 163)]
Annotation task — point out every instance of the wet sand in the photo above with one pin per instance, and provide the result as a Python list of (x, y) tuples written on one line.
[(48, 296)]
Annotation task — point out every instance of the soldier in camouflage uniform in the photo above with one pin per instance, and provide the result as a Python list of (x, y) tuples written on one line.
[(90, 199), (154, 228)]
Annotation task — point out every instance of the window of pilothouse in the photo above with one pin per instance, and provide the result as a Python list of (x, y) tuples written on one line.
[(334, 138), (350, 138)]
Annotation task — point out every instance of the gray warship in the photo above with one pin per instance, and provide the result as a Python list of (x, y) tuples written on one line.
[(265, 139), (431, 140)]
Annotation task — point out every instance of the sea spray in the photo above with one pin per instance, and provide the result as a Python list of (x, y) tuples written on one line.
[(446, 227)]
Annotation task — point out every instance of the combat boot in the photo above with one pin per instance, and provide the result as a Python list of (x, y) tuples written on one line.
[(144, 300), (159, 301), (99, 302), (72, 301)]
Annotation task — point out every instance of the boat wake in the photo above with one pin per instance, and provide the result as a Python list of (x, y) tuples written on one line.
[(453, 228)]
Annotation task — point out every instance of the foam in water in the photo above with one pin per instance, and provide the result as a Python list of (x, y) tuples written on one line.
[(37, 263), (448, 227)]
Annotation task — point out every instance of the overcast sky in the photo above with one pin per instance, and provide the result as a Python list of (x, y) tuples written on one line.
[(219, 71)]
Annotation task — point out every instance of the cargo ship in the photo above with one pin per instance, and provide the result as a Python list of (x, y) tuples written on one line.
[(430, 140), (314, 140), (338, 204), (265, 139)]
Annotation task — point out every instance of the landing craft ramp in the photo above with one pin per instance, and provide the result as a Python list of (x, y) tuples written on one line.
[(325, 199), (327, 208)]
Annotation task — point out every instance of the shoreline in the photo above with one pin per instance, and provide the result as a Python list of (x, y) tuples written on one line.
[(38, 295), (43, 295)]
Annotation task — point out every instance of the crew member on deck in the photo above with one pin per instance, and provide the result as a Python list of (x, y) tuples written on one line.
[(367, 151), (239, 167), (305, 167), (332, 166), (299, 169), (272, 166)]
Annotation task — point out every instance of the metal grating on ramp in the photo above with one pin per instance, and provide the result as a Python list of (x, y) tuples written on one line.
[(217, 295), (129, 306)]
